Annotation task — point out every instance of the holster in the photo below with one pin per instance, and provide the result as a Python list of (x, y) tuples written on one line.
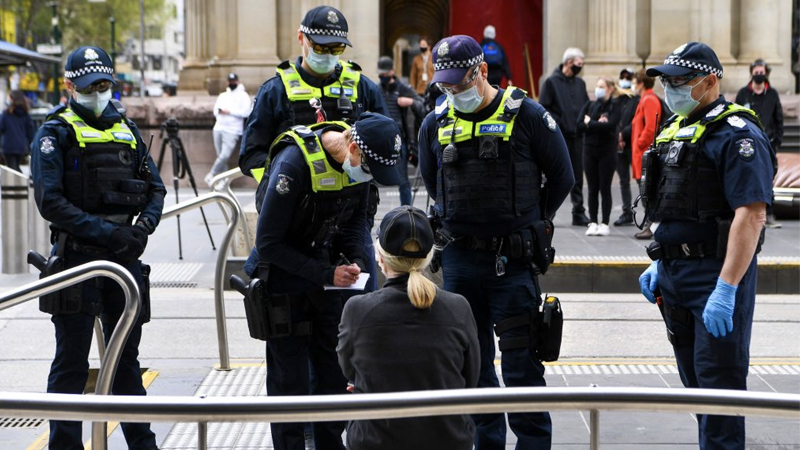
[(68, 300), (543, 252), (544, 330), (269, 316), (144, 313)]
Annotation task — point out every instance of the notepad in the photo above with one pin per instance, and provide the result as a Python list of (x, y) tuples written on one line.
[(359, 285)]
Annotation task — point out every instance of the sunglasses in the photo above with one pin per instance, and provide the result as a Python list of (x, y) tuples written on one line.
[(100, 86), (462, 86), (679, 81), (333, 49)]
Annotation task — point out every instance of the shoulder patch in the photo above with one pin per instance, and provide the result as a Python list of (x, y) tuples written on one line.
[(736, 121), (282, 184), (745, 146), (46, 146), (548, 119)]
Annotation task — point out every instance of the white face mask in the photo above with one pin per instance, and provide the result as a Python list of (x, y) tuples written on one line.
[(95, 102), (600, 93), (625, 84), (356, 173), (467, 101), (679, 99), (321, 63)]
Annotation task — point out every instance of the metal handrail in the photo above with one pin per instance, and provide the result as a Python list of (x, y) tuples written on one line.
[(399, 404), (219, 272), (75, 275), (224, 180)]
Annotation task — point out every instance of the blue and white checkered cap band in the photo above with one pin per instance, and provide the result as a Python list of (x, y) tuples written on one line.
[(674, 60), (371, 154), (459, 64), (87, 70), (323, 32)]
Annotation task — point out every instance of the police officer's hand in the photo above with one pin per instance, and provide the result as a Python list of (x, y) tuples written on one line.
[(124, 245), (140, 233), (718, 315), (648, 282), (346, 275)]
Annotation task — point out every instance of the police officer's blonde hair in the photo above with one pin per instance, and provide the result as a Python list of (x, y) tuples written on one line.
[(571, 53), (421, 290)]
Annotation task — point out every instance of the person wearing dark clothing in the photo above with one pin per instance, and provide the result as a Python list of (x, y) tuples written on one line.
[(496, 57), (408, 336), (400, 98), (310, 233), (16, 127), (91, 176), (563, 95), (483, 153), (759, 96), (627, 102), (599, 123), (708, 179)]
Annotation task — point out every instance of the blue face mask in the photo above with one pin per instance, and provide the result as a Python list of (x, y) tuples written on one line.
[(321, 63), (625, 84), (600, 93), (679, 99), (357, 174), (467, 101)]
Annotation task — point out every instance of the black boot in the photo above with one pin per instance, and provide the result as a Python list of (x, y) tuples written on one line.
[(580, 219), (625, 219)]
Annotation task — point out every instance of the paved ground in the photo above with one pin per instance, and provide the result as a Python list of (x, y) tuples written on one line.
[(610, 340)]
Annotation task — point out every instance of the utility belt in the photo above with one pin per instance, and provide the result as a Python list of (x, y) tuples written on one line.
[(545, 329), (70, 300), (528, 245), (269, 316), (712, 248)]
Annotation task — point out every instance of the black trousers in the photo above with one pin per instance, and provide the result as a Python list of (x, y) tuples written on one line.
[(624, 174), (600, 164), (575, 147)]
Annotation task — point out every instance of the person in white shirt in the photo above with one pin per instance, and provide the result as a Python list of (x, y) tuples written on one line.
[(231, 109)]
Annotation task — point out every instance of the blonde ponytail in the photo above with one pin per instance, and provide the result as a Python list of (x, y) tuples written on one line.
[(421, 290)]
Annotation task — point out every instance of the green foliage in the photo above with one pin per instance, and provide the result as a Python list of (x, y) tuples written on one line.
[(85, 23)]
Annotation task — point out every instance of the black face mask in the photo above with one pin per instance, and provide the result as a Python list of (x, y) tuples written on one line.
[(576, 69), (760, 78), (385, 80), (423, 49), (232, 86)]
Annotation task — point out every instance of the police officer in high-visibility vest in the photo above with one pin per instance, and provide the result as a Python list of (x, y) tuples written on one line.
[(315, 88), (310, 234), (707, 181), (95, 182), (484, 154)]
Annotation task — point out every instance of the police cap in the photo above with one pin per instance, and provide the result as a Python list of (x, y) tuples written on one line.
[(688, 58), (402, 225), (379, 139), (453, 56), (88, 65), (325, 25)]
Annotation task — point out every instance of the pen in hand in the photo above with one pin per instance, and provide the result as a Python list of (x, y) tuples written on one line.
[(344, 259)]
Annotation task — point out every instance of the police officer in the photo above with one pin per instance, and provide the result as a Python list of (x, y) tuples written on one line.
[(310, 234), (92, 176), (707, 181), (483, 152), (314, 88)]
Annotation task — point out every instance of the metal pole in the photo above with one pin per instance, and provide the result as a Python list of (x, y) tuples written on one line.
[(202, 435), (141, 53), (113, 44), (594, 429), (56, 41)]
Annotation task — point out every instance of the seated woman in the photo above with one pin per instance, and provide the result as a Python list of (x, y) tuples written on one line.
[(408, 336)]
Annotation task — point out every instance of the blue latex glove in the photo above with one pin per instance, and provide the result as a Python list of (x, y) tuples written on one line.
[(648, 282), (718, 315)]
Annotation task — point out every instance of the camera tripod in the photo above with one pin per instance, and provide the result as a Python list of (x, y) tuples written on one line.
[(180, 168)]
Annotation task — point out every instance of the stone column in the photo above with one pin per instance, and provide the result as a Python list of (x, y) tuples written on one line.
[(611, 44), (193, 73), (565, 25), (765, 33)]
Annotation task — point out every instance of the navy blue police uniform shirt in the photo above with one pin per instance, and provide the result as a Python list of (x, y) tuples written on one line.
[(48, 147), (742, 155), (532, 131), (272, 109), (289, 182)]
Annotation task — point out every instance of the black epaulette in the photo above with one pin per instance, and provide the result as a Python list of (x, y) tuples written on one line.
[(54, 112), (512, 105), (284, 65), (354, 65), (441, 110)]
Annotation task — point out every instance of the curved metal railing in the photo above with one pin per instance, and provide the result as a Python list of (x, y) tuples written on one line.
[(75, 275), (222, 183), (399, 404), (219, 271)]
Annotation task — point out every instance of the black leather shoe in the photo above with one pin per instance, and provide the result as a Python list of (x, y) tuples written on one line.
[(580, 220), (624, 220)]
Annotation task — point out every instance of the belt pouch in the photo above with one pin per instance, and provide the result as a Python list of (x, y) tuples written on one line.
[(551, 329)]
